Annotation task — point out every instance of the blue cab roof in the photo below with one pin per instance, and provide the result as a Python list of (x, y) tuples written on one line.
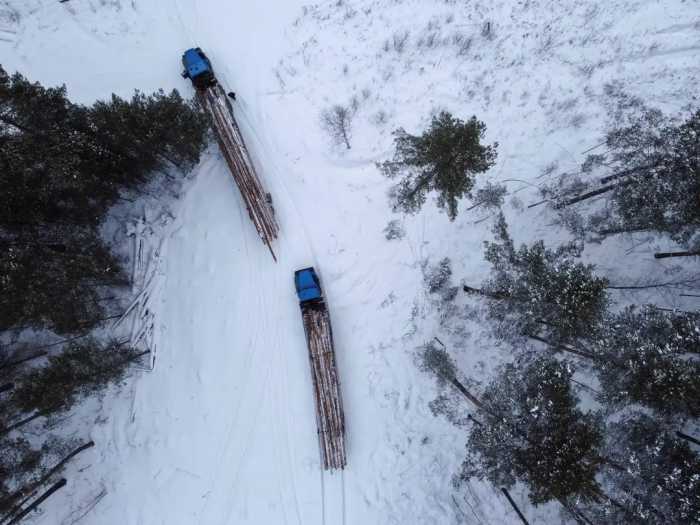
[(307, 285), (194, 63)]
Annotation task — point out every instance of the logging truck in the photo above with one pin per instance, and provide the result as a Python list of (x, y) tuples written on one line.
[(330, 418), (216, 103)]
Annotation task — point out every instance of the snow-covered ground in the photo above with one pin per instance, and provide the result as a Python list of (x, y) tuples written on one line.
[(222, 431)]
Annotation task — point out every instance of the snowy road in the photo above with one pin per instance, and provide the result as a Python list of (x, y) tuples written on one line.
[(226, 431)]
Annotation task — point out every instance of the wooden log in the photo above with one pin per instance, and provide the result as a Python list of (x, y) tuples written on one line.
[(515, 507), (329, 409), (56, 486), (235, 152)]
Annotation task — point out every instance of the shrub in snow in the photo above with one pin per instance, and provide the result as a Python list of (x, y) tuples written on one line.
[(444, 159), (438, 277), (337, 121), (394, 230), (490, 196), (451, 408), (435, 360)]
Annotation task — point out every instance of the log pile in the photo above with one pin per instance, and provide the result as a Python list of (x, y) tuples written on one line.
[(329, 406), (257, 201)]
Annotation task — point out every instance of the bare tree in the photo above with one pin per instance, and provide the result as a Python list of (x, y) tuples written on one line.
[(336, 121)]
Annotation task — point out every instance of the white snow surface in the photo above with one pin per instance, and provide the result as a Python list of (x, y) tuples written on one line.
[(222, 430)]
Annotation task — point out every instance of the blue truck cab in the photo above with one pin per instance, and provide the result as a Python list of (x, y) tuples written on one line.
[(308, 286), (198, 68)]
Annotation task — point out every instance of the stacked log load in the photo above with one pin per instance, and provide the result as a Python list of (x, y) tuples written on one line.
[(257, 201), (326, 383)]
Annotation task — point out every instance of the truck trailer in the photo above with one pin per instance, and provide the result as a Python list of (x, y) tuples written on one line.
[(330, 418), (214, 100)]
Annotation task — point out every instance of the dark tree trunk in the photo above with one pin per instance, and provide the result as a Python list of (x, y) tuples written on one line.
[(462, 389), (625, 173), (515, 507), (474, 420), (483, 293), (473, 291), (588, 195), (575, 513), (655, 285), (26, 492), (687, 437), (666, 255), (616, 231), (49, 345), (23, 360), (10, 121), (563, 348), (24, 421), (46, 495)]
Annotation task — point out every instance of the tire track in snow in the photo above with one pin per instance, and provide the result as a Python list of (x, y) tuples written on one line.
[(333, 494), (295, 234), (332, 490), (282, 390), (255, 368)]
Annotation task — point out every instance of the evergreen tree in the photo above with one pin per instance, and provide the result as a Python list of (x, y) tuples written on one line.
[(19, 464), (61, 163), (445, 159), (55, 281), (656, 479), (652, 182), (532, 431), (139, 136), (62, 166), (535, 290), (82, 369), (643, 357)]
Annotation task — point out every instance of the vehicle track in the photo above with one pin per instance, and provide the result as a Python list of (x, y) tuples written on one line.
[(333, 510), (256, 368)]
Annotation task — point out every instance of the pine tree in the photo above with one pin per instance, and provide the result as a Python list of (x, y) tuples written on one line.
[(534, 290), (532, 431), (19, 464), (62, 166), (642, 357), (653, 181), (80, 370), (136, 137), (65, 163), (656, 478), (55, 281), (444, 159)]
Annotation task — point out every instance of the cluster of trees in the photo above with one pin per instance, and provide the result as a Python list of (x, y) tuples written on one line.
[(557, 316), (591, 409), (62, 166), (621, 457), (649, 182)]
